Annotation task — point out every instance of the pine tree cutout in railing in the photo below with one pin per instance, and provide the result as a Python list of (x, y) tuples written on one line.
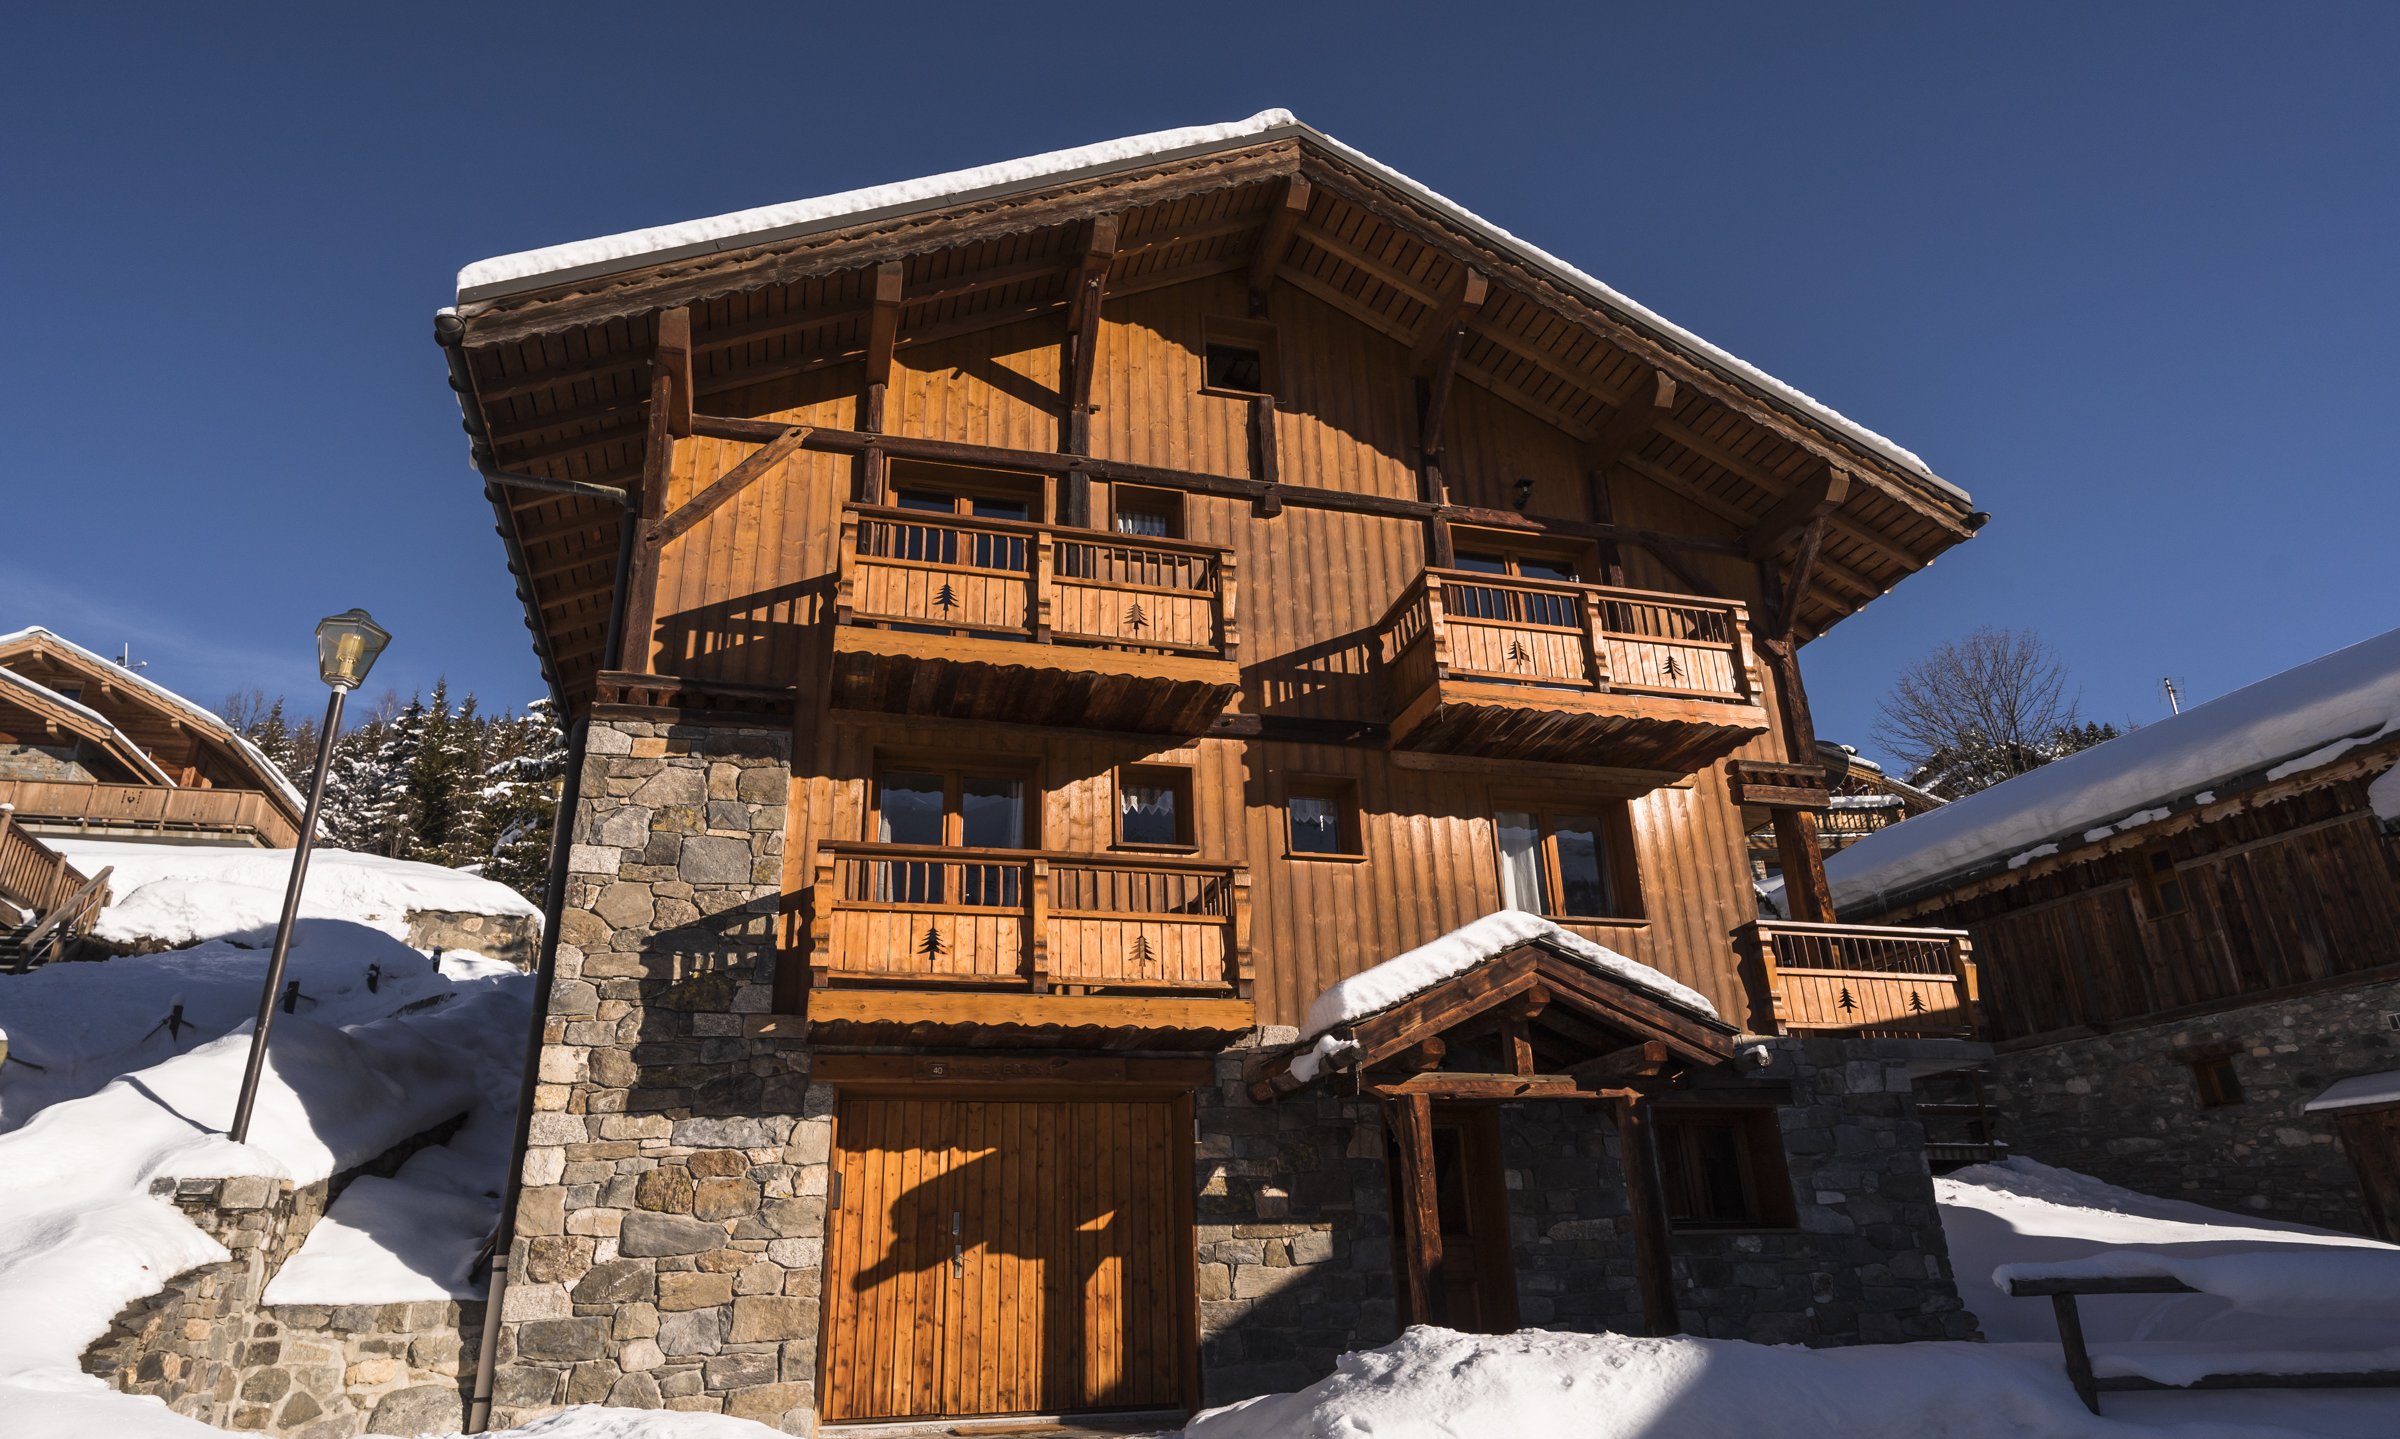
[(1671, 667), (1916, 1002), (1139, 953), (1518, 654), (933, 946), (1844, 1002), (945, 599), (1135, 620)]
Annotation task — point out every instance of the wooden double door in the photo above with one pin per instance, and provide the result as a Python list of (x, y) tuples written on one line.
[(1002, 1256)]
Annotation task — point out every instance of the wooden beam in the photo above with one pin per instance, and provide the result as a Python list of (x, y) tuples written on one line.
[(1492, 1088), (1646, 1203), (1082, 360), (700, 506), (1275, 240), (641, 586), (1516, 1043), (1796, 583), (673, 357), (1420, 1237), (1634, 1061), (1445, 325), (1807, 506), (1634, 418)]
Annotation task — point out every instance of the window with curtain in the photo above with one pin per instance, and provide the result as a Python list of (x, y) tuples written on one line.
[(1154, 806), (1322, 816), (950, 809), (1566, 863)]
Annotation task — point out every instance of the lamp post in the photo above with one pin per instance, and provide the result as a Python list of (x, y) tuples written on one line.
[(347, 645)]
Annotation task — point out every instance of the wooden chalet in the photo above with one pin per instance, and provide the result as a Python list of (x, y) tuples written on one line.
[(1171, 580), (2192, 931), (88, 747), (1861, 800)]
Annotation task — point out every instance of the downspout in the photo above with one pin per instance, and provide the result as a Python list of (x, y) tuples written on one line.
[(450, 332)]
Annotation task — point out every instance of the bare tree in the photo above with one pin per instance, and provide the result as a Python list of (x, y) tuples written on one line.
[(1976, 711)]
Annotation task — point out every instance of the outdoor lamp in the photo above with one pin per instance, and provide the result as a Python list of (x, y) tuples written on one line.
[(347, 645)]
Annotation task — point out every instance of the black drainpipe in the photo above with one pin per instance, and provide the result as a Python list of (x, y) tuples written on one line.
[(450, 332)]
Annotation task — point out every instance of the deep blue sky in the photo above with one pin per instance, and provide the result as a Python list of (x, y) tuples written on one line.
[(2124, 271)]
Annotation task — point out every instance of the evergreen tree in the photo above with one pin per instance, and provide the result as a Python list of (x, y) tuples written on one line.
[(522, 780)]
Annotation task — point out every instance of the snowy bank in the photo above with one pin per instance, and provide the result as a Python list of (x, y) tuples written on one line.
[(165, 895)]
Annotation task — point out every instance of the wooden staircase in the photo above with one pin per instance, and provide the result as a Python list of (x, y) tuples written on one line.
[(46, 904)]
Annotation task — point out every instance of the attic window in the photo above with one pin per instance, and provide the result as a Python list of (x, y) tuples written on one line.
[(1237, 358), (2161, 885)]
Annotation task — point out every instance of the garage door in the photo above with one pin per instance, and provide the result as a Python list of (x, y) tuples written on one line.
[(999, 1257)]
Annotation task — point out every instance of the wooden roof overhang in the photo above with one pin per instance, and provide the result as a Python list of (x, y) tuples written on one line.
[(1558, 1029), (56, 714), (555, 382), (843, 1017)]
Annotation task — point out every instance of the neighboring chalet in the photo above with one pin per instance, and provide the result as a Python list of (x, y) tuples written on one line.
[(88, 747), (2191, 944), (1862, 799), (1164, 733)]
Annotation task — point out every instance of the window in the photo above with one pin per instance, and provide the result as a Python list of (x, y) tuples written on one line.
[(1322, 818), (1568, 863), (2162, 884), (952, 808), (1237, 357), (1151, 514), (1724, 1169), (2214, 1079), (1154, 806), (964, 491)]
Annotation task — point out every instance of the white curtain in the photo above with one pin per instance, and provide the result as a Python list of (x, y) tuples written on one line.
[(1521, 861)]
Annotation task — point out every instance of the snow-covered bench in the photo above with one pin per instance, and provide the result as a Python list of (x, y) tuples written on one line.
[(2061, 1283)]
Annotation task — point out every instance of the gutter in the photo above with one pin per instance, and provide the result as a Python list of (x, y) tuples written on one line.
[(1627, 311)]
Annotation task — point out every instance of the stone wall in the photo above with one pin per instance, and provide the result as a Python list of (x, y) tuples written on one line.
[(1294, 1235), (671, 1230), (205, 1347), (510, 938), (2123, 1106)]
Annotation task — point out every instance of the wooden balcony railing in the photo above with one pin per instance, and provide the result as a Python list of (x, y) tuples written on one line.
[(1454, 624), (1047, 584), (1867, 980), (1027, 920), (104, 807)]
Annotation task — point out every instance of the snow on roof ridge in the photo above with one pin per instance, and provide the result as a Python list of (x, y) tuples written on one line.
[(503, 274), (207, 717), (2294, 719), (10, 676), (1375, 989)]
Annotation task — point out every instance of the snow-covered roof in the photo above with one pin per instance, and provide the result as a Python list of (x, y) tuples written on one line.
[(505, 275), (1396, 979), (126, 749), (2359, 1091), (2286, 724), (191, 713)]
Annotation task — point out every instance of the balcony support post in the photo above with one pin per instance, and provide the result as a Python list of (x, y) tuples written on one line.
[(1228, 625), (1038, 617), (883, 335), (1037, 925), (641, 583), (1244, 976)]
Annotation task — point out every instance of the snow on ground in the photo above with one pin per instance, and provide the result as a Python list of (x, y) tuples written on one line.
[(2306, 716), (85, 1024), (173, 894)]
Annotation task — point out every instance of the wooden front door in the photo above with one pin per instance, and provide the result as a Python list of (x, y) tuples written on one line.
[(1477, 1283), (1006, 1257)]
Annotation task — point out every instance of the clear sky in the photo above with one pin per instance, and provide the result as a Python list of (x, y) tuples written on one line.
[(2125, 271)]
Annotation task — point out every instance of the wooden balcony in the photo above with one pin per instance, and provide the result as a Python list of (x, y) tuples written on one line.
[(1034, 624), (1021, 936), (141, 811), (1535, 669), (1867, 980)]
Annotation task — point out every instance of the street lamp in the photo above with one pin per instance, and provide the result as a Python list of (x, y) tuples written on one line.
[(347, 645)]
